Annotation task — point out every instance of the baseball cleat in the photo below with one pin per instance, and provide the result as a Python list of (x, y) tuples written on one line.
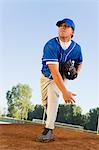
[(45, 136)]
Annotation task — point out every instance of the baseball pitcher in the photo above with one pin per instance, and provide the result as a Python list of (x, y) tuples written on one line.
[(61, 61)]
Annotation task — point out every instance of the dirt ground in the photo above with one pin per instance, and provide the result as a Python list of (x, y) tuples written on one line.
[(22, 137)]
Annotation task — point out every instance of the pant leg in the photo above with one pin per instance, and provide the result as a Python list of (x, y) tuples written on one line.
[(44, 82), (53, 102)]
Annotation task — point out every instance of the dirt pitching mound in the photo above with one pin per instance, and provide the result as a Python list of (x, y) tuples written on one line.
[(22, 137)]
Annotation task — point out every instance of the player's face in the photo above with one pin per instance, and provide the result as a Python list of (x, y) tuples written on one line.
[(65, 31)]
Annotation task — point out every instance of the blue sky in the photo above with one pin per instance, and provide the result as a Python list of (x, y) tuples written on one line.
[(26, 25)]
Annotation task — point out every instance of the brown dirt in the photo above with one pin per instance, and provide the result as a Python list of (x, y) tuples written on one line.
[(22, 137)]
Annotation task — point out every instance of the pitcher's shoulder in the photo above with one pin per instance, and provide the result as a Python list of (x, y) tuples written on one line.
[(51, 41), (77, 45)]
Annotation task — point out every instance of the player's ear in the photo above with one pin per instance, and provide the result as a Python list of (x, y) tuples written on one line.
[(72, 34)]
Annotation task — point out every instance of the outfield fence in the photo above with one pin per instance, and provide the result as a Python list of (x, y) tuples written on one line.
[(7, 120)]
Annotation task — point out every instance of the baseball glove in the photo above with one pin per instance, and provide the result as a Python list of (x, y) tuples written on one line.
[(68, 70)]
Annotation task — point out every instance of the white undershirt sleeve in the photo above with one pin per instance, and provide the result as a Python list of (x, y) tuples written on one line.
[(51, 62)]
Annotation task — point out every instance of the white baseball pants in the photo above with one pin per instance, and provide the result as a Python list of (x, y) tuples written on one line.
[(50, 96)]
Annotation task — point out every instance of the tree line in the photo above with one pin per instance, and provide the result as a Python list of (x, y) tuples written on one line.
[(20, 107)]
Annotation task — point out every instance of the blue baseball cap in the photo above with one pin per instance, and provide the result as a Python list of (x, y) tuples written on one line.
[(69, 22)]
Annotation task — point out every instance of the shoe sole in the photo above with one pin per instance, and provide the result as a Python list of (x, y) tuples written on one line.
[(45, 141)]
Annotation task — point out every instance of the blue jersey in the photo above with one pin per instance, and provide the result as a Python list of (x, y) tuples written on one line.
[(53, 52)]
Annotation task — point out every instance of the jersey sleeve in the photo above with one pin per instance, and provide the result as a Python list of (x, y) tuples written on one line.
[(79, 56), (50, 54)]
